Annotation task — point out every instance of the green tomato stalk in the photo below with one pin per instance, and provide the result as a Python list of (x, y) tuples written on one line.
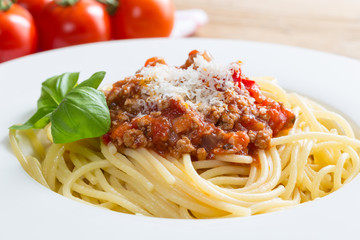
[(111, 5), (66, 3), (5, 5)]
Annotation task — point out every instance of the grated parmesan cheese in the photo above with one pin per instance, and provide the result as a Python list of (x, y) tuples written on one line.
[(201, 85)]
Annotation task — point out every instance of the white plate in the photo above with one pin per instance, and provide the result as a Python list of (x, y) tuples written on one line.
[(30, 211)]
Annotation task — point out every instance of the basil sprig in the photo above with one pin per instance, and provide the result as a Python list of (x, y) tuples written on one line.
[(76, 111)]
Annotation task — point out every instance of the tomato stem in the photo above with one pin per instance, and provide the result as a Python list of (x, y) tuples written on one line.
[(5, 5), (66, 3), (111, 5)]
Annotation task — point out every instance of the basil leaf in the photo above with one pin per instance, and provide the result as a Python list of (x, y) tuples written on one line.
[(39, 120), (94, 81), (46, 100), (75, 111), (54, 89), (83, 113)]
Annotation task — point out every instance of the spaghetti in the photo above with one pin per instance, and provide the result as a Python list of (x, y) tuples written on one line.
[(317, 156)]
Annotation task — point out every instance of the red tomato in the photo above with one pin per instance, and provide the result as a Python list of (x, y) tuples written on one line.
[(83, 22), (143, 18), (33, 6), (18, 36)]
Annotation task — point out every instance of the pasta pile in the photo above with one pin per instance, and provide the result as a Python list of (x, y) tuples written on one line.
[(314, 158)]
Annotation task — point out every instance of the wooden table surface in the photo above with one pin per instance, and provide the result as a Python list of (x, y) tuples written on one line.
[(326, 25)]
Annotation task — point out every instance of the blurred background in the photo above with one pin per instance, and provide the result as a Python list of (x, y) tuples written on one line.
[(30, 26), (326, 25)]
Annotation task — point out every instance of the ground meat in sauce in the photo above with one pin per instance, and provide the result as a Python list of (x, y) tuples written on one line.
[(171, 127)]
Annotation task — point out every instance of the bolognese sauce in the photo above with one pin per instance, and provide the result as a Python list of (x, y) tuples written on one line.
[(201, 108)]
